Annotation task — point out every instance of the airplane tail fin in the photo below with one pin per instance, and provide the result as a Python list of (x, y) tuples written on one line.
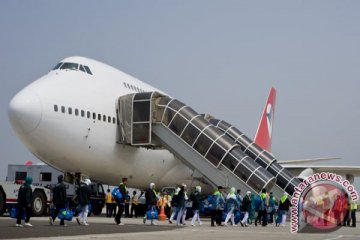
[(263, 134)]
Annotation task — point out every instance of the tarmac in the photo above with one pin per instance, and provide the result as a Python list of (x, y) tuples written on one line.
[(105, 228)]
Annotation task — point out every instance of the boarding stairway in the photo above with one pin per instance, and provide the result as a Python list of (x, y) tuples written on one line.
[(154, 120), (285, 181)]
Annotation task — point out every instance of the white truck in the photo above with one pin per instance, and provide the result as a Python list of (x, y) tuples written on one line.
[(46, 176), (9, 193)]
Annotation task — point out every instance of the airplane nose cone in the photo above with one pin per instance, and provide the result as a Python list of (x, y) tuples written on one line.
[(25, 111)]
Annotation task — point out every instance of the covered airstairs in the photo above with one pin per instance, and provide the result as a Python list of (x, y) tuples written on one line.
[(154, 120)]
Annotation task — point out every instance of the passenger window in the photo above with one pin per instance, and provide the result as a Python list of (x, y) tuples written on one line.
[(125, 84), (99, 117), (94, 116), (114, 120), (62, 109), (104, 118), (55, 108), (76, 112), (88, 114), (70, 110), (71, 66), (109, 119), (88, 70), (82, 113), (82, 68)]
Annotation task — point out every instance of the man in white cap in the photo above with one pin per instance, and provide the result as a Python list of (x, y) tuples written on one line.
[(151, 200), (196, 201), (174, 204), (84, 193), (246, 207), (182, 198)]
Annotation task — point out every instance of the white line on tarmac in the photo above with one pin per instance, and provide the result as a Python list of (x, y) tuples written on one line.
[(338, 237)]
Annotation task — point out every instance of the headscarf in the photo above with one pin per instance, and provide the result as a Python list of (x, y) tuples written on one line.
[(28, 180)]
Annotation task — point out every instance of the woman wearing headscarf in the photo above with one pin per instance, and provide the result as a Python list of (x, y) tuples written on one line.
[(25, 197)]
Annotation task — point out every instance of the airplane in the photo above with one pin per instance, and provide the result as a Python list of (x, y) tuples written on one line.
[(70, 119)]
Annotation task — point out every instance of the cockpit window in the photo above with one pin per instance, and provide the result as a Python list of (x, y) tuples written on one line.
[(82, 68), (57, 65), (88, 70), (71, 66)]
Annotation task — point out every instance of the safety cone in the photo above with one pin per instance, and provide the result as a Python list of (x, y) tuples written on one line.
[(162, 216)]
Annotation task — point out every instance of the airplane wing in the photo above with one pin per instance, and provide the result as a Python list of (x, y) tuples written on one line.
[(297, 161), (341, 170)]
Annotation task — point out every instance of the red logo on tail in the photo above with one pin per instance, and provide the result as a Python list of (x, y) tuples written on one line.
[(264, 132)]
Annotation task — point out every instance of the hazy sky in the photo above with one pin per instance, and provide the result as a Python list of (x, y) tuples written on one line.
[(219, 57)]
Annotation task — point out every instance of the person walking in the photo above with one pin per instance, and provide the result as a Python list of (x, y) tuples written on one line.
[(195, 197), (217, 207), (151, 200), (108, 202), (262, 213), (134, 204), (353, 208), (174, 204), (84, 193), (239, 198), (24, 201), (284, 206), (271, 208), (121, 202), (168, 205), (182, 198), (231, 205), (246, 208), (59, 200)]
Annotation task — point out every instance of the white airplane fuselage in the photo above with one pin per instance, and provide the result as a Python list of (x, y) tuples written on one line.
[(76, 143)]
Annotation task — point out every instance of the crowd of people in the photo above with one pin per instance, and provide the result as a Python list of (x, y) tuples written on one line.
[(224, 208)]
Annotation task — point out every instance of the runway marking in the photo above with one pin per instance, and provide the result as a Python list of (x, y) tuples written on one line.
[(338, 237)]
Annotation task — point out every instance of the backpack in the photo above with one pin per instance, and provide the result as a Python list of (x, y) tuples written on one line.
[(117, 195), (211, 201), (258, 203)]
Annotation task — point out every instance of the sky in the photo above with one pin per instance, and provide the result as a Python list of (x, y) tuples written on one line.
[(219, 57)]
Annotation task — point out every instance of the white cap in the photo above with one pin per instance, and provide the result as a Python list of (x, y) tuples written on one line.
[(177, 190), (198, 188), (152, 185), (248, 192), (87, 181)]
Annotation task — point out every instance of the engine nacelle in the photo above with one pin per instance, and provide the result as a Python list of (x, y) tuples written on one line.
[(305, 173)]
